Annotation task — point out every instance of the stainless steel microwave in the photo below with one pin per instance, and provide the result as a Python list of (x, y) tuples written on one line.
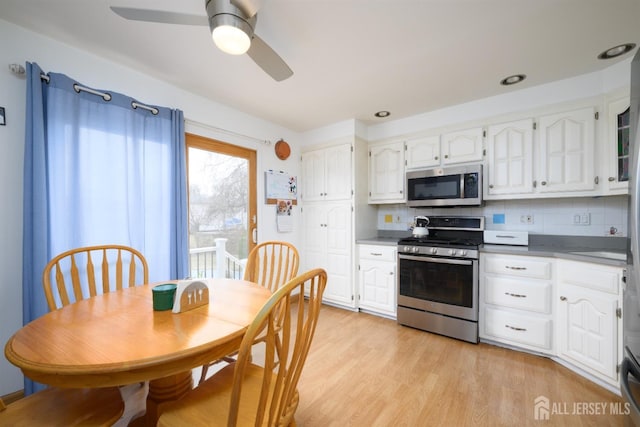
[(449, 186)]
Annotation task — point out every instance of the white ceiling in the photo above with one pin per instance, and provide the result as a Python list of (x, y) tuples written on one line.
[(351, 58)]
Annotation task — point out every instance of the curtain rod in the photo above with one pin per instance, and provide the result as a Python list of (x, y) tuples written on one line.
[(104, 95), (229, 132)]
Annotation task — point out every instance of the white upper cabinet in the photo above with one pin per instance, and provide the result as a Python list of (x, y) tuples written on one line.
[(423, 152), (462, 146), (566, 147), (509, 167), (386, 173), (617, 144), (326, 174)]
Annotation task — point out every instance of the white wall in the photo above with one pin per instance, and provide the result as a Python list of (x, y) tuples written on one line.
[(204, 118)]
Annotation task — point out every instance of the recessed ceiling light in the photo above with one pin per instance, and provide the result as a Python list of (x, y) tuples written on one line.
[(511, 80), (382, 114), (616, 51)]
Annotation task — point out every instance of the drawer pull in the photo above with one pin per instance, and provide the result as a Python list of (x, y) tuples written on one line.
[(516, 328), (375, 253), (515, 295), (515, 268), (563, 298)]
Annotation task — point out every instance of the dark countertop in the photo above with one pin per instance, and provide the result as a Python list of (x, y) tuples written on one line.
[(383, 241), (564, 247), (595, 249)]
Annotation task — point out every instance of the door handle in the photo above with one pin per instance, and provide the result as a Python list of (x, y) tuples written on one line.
[(254, 235)]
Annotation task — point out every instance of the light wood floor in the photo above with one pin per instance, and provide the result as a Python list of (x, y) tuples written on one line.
[(364, 370)]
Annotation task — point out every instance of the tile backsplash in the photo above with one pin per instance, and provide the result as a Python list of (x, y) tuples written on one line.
[(585, 216)]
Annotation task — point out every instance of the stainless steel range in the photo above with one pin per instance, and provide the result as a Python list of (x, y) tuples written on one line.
[(438, 277)]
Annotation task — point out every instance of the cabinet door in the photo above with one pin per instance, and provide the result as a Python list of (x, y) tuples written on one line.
[(423, 152), (314, 236), (587, 331), (462, 146), (618, 145), (566, 151), (338, 173), (510, 158), (313, 176), (386, 173), (338, 250), (377, 286)]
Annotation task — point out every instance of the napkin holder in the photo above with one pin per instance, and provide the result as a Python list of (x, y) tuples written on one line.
[(190, 294)]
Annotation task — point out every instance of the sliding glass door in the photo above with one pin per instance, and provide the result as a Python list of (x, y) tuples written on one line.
[(222, 206)]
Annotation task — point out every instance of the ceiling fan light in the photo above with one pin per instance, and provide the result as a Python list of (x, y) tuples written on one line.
[(231, 33), (230, 39)]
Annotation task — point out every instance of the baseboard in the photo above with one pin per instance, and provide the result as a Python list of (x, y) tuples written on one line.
[(12, 397)]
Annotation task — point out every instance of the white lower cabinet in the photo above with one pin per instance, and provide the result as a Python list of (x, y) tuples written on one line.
[(588, 317), (327, 232), (377, 279), (516, 301), (566, 309)]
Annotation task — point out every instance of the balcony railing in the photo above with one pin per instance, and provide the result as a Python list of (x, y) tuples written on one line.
[(215, 261)]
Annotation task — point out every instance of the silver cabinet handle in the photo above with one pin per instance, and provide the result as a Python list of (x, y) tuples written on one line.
[(490, 185), (375, 253), (611, 179), (446, 156), (435, 158), (516, 328), (515, 295), (563, 298), (544, 183), (515, 268), (596, 180)]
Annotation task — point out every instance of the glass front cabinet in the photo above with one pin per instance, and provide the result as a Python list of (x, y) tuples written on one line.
[(618, 178)]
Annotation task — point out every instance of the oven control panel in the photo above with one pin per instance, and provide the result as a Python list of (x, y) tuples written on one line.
[(438, 251)]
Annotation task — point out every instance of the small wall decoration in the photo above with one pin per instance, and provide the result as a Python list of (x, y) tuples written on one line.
[(3, 121), (282, 149), (280, 185)]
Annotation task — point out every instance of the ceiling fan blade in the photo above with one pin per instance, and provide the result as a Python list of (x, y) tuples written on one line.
[(148, 15), (268, 60), (248, 7)]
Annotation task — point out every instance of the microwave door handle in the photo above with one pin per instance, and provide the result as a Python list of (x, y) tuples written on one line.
[(438, 260), (462, 186)]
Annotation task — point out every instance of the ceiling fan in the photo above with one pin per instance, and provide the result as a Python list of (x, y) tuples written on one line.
[(231, 22)]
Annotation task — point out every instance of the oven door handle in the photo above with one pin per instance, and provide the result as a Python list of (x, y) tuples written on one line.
[(438, 260)]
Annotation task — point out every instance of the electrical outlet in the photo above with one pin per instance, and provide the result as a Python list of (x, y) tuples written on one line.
[(526, 219)]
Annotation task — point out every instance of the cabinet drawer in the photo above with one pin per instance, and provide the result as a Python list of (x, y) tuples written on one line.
[(534, 268), (598, 277), (518, 293), (517, 328), (378, 253)]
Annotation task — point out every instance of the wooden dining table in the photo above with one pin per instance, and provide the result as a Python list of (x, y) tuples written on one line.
[(118, 339)]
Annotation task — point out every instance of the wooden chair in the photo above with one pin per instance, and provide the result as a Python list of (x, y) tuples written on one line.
[(270, 264), (116, 267), (64, 407), (244, 393)]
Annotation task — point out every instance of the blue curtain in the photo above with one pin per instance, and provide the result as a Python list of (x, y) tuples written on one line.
[(99, 171)]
